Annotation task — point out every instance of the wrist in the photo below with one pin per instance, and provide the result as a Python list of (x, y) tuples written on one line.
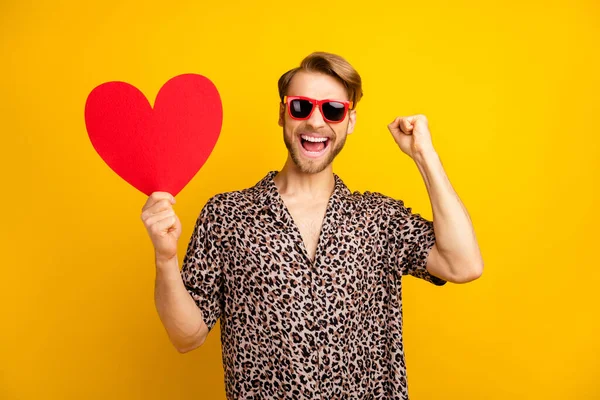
[(163, 262), (425, 156)]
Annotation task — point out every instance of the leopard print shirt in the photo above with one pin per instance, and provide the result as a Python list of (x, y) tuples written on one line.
[(296, 329)]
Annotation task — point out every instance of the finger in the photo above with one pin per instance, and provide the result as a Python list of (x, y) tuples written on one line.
[(156, 197), (154, 219), (393, 126), (163, 225), (160, 206), (406, 125)]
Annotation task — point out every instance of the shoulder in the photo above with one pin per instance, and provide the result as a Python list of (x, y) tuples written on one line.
[(228, 203), (378, 202)]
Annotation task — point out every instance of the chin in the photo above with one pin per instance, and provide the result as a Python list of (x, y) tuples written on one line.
[(311, 168), (311, 164)]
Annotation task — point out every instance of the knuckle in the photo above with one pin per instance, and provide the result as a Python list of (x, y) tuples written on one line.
[(157, 196)]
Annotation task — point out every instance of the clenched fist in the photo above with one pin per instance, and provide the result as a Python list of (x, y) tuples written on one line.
[(162, 224), (412, 134)]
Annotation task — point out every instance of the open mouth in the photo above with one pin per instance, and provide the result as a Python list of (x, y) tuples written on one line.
[(314, 146)]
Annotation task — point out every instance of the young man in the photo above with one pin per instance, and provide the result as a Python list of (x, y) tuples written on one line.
[(304, 274)]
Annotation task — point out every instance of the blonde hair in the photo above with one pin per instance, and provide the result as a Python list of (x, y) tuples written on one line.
[(329, 64)]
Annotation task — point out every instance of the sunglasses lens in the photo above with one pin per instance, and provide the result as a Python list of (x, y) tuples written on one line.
[(333, 110), (300, 108)]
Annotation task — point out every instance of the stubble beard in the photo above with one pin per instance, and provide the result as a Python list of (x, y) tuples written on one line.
[(310, 166)]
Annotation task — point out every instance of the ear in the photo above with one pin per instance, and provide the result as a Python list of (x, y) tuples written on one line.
[(351, 121), (281, 113)]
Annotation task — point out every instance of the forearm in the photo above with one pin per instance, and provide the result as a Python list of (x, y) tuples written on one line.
[(454, 232), (177, 310)]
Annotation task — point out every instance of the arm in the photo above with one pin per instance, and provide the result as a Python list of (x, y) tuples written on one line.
[(455, 255), (177, 310)]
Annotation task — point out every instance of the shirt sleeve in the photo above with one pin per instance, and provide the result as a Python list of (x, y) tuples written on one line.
[(201, 271), (410, 240)]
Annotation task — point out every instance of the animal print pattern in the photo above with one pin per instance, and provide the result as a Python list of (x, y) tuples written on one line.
[(296, 329)]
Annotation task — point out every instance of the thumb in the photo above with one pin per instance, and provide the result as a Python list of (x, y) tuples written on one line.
[(407, 124), (394, 126)]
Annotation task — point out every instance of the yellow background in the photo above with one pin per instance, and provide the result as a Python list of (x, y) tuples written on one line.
[(511, 93)]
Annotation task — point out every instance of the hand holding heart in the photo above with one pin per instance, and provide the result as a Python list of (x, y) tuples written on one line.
[(156, 149), (162, 224), (412, 134)]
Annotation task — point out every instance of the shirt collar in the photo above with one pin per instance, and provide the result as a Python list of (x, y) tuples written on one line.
[(267, 197)]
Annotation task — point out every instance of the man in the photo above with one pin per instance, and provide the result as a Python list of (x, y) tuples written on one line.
[(304, 274)]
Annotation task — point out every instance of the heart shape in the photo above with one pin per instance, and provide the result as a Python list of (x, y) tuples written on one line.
[(160, 148)]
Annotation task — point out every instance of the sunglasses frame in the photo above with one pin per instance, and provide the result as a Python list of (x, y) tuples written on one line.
[(317, 103)]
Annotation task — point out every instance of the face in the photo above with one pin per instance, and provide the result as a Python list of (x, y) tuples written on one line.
[(303, 138)]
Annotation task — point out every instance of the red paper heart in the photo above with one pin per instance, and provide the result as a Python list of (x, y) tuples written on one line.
[(158, 149)]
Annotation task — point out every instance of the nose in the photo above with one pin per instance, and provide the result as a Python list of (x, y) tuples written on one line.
[(316, 120)]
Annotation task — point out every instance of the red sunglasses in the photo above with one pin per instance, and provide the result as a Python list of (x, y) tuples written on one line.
[(301, 108)]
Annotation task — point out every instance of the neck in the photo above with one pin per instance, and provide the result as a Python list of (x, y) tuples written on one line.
[(291, 181)]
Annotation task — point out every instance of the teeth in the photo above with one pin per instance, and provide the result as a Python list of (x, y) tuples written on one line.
[(313, 139)]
